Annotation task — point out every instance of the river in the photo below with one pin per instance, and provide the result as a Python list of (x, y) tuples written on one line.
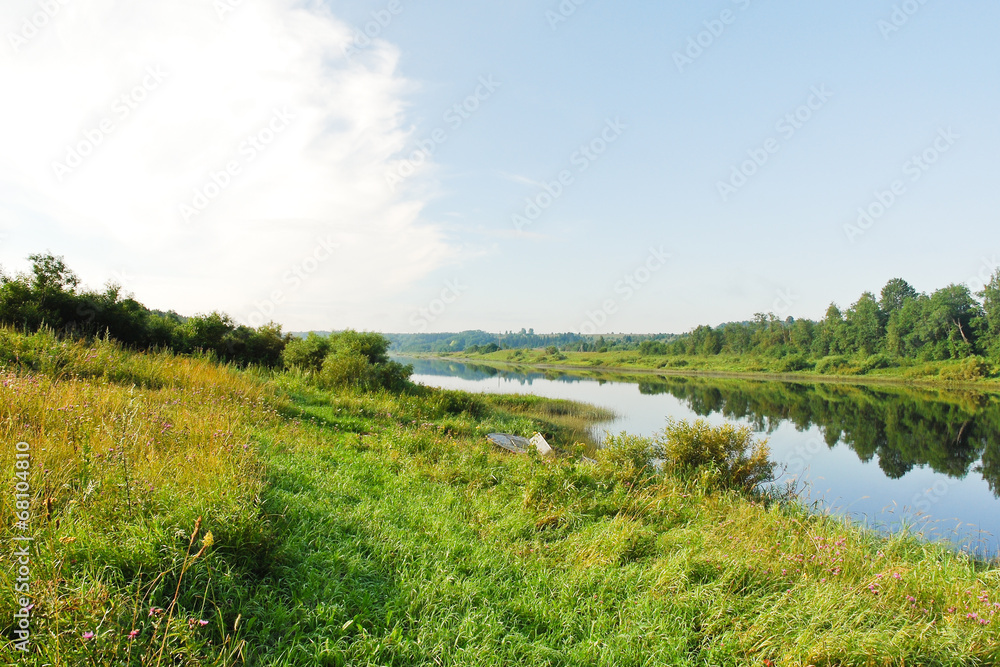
[(885, 455)]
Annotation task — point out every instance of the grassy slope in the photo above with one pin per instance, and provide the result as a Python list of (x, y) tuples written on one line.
[(382, 530), (849, 370)]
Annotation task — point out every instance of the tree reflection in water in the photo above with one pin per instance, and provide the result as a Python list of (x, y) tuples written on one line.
[(953, 432)]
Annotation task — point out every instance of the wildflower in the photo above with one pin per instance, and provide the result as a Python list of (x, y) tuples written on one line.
[(132, 635), (203, 623), (910, 598), (895, 575), (88, 635), (155, 611)]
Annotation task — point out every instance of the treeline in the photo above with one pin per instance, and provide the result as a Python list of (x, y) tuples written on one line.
[(951, 323), (50, 296), (484, 342)]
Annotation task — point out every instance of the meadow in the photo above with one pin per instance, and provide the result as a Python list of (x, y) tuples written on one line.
[(879, 368), (185, 512)]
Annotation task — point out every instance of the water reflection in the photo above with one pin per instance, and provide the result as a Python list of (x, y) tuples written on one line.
[(955, 433)]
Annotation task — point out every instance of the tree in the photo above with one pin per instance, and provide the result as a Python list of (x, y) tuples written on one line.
[(802, 334), (865, 332), (948, 322), (831, 338), (894, 295), (991, 316), (51, 273)]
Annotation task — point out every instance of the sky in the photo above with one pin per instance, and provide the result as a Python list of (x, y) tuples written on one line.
[(586, 166)]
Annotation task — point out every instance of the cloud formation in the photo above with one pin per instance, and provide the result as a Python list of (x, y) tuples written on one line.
[(218, 153)]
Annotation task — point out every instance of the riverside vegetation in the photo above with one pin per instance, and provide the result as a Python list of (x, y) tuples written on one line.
[(951, 335), (230, 496), (188, 512)]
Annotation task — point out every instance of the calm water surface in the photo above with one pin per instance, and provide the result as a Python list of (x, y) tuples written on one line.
[(883, 455)]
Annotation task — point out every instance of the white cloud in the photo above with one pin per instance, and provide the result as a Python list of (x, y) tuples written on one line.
[(182, 91)]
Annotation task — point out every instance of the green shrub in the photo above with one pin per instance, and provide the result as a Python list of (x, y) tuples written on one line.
[(971, 368), (306, 353), (345, 368), (875, 362), (835, 365), (630, 458), (726, 455), (795, 362)]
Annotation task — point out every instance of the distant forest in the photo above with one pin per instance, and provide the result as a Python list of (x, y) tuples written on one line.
[(482, 341), (951, 323)]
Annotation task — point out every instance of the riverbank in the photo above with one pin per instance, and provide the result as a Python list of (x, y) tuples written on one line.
[(950, 374), (223, 517)]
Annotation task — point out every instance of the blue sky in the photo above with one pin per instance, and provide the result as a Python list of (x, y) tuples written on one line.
[(380, 205)]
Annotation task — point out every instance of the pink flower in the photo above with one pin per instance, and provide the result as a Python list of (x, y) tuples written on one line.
[(88, 635), (133, 634), (203, 623)]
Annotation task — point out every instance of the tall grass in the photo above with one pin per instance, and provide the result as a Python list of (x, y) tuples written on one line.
[(127, 452), (186, 513)]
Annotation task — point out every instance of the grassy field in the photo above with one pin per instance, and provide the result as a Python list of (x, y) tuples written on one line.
[(185, 513), (880, 368)]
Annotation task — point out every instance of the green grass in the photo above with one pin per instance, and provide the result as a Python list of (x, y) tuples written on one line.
[(877, 368), (379, 529)]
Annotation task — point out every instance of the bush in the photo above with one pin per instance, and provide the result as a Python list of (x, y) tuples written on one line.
[(306, 353), (875, 362), (972, 368), (795, 362), (345, 368), (834, 366), (728, 455), (630, 458)]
